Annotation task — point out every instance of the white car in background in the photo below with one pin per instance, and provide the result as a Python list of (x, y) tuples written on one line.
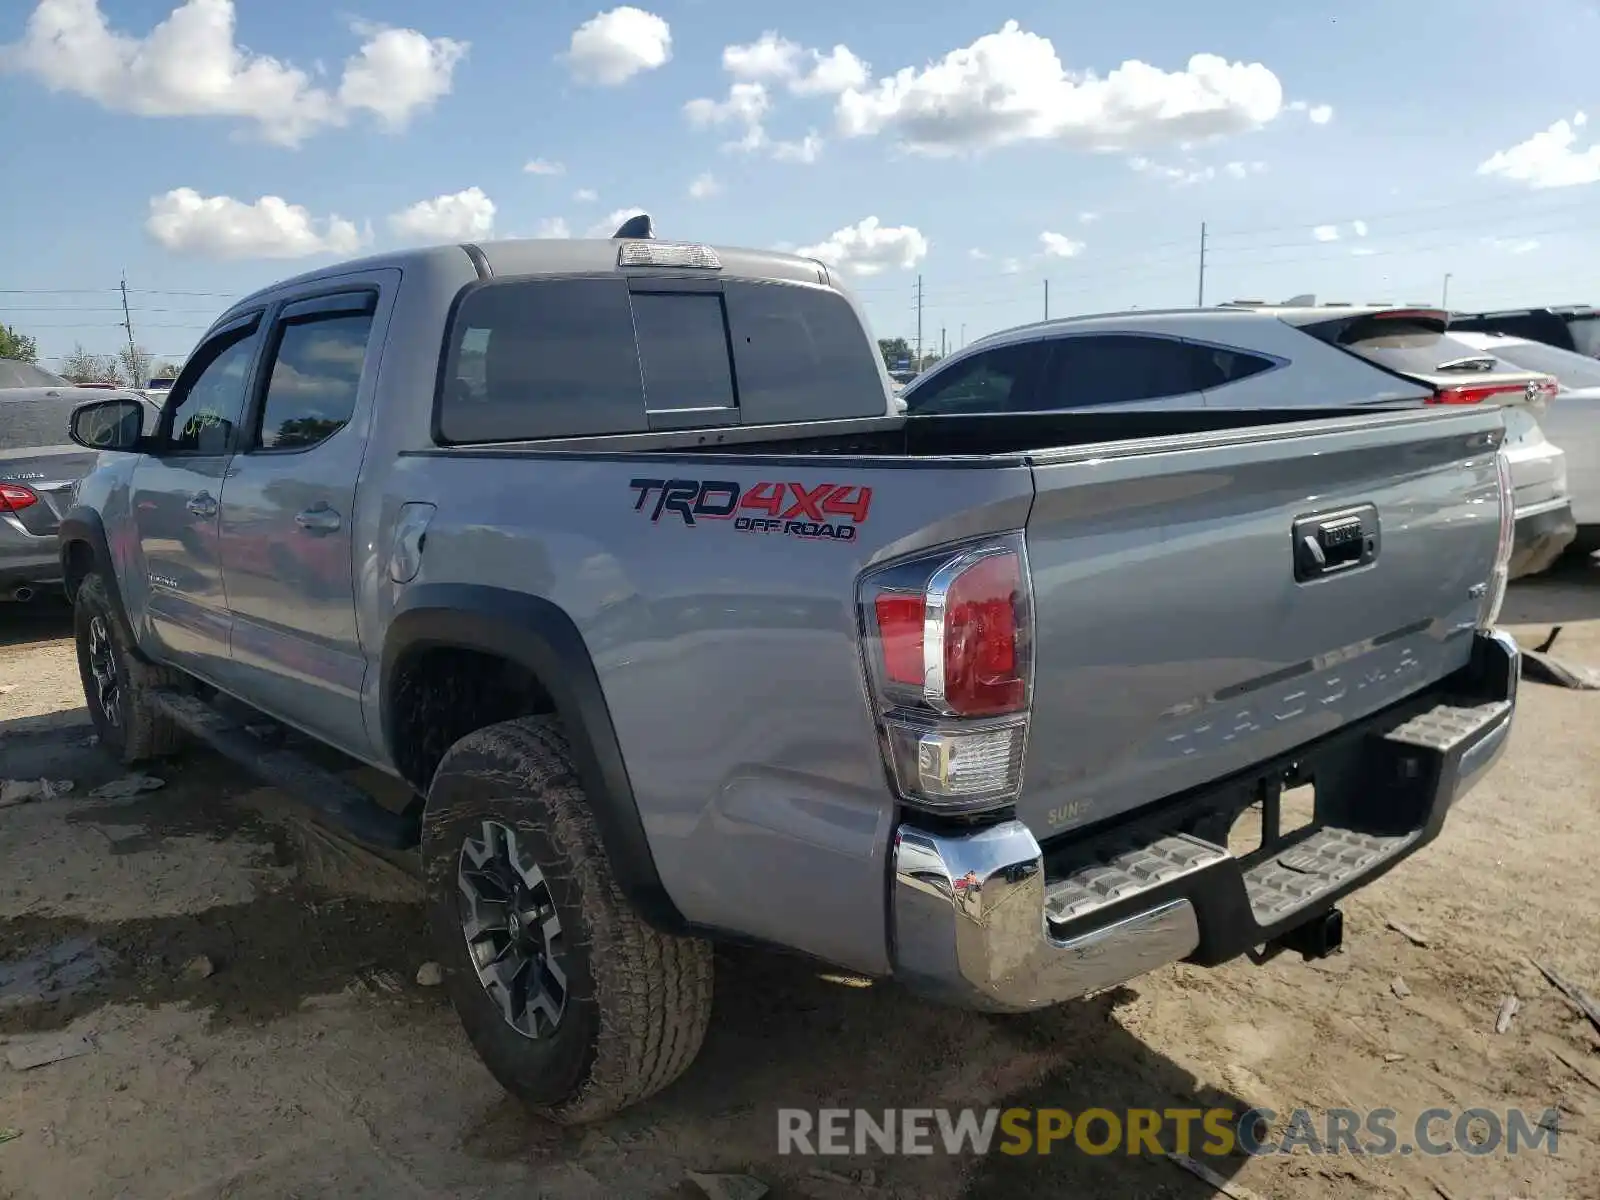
[(1256, 356), (1571, 421)]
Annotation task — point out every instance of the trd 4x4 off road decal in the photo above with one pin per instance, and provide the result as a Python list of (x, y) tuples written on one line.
[(825, 510)]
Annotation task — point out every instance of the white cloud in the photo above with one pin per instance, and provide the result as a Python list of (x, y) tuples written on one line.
[(190, 66), (868, 247), (774, 59), (612, 47), (1360, 228), (1362, 251), (398, 72), (1010, 87), (1549, 158), (745, 107), (1317, 114), (1242, 170), (1059, 245), (586, 195), (807, 150), (704, 186), (977, 255), (1011, 266), (543, 166), (186, 222), (1180, 176), (456, 217), (1512, 245), (553, 227), (1088, 218), (1326, 233), (609, 226)]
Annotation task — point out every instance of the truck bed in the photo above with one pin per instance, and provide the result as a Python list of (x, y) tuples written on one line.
[(1174, 647)]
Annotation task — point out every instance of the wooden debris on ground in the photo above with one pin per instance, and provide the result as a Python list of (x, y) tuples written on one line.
[(1206, 1175), (1508, 1009), (1576, 996)]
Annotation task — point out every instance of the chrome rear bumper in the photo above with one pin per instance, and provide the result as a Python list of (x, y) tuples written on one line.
[(977, 921)]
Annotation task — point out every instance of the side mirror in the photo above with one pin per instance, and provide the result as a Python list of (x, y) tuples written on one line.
[(109, 424)]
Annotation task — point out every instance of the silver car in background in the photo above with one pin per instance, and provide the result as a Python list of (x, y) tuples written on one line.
[(1255, 356), (39, 467), (1572, 420)]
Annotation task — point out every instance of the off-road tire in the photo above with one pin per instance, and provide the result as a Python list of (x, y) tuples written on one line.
[(638, 1000), (143, 731)]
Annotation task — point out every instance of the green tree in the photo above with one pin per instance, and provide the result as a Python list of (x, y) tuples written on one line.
[(135, 362), (894, 351), (17, 345), (82, 367)]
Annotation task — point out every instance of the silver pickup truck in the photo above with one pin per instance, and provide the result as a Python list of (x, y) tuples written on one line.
[(617, 554)]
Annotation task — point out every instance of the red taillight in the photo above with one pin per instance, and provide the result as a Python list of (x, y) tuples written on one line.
[(949, 647), (1540, 389), (900, 624), (14, 497), (981, 676)]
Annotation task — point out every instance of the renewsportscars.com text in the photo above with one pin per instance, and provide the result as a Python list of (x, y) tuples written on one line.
[(1213, 1132)]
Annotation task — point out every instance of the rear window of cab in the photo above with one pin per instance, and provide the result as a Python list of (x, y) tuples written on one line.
[(527, 359)]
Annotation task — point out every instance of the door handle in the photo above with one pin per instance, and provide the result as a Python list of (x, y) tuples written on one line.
[(319, 520), (202, 504)]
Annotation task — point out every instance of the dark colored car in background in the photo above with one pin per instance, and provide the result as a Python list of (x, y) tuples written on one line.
[(1573, 327)]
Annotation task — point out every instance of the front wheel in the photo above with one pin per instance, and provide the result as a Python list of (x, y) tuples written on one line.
[(577, 1007), (117, 683)]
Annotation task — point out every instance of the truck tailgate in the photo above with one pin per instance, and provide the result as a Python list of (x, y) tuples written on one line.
[(1175, 644)]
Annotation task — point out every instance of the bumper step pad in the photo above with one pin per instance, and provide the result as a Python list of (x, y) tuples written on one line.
[(1127, 873), (1313, 867)]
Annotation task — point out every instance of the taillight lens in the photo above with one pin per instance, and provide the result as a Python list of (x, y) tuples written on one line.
[(1500, 576), (974, 603), (948, 639), (1539, 391), (14, 497)]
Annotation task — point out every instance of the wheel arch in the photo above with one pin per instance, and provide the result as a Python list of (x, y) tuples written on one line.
[(537, 635), (83, 546)]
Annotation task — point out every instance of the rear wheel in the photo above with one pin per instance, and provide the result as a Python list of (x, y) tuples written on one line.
[(576, 1006), (117, 683)]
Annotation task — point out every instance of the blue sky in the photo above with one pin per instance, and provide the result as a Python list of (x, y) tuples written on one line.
[(1355, 150)]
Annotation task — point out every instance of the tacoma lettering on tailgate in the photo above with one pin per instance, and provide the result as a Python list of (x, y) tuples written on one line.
[(826, 510)]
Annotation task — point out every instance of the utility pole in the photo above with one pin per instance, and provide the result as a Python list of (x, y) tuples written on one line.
[(1046, 299), (942, 350), (1444, 301), (1200, 301), (918, 364), (963, 335), (127, 324)]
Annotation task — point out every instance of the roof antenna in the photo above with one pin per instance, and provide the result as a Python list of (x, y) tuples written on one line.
[(637, 226)]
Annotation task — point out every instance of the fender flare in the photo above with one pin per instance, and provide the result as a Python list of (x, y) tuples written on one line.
[(84, 525), (540, 636)]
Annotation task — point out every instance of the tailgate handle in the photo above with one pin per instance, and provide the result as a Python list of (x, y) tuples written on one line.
[(1330, 543)]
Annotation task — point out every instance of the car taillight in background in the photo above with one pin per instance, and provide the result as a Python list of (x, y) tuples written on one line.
[(949, 647), (1538, 391), (14, 497), (1501, 575)]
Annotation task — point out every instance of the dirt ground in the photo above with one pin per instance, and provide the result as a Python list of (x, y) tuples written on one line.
[(308, 1063)]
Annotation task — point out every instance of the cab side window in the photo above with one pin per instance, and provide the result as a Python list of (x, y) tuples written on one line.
[(314, 377), (202, 416)]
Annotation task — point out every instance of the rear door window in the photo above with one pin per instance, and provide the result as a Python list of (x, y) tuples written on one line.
[(1095, 369), (1571, 370), (1001, 380)]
